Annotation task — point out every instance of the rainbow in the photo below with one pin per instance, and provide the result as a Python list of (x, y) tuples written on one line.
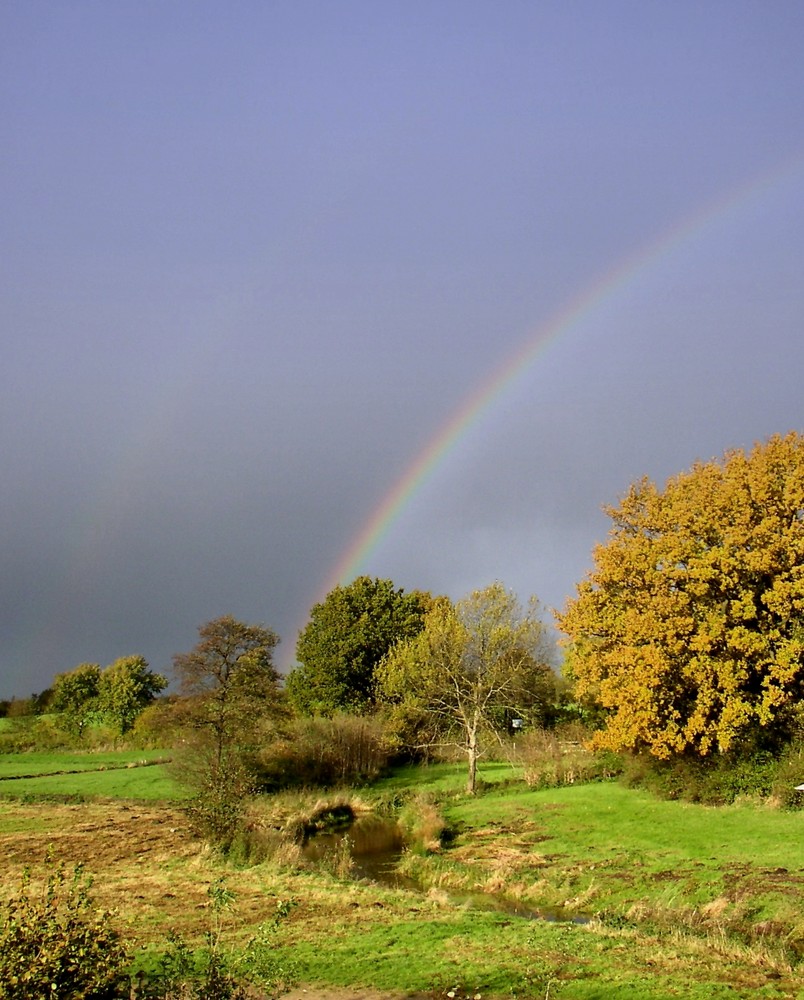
[(561, 324)]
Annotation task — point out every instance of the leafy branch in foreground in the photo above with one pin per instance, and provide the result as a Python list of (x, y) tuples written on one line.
[(54, 943)]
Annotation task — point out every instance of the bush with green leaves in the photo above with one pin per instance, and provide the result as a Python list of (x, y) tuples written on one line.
[(217, 972), (722, 778), (55, 943), (549, 761)]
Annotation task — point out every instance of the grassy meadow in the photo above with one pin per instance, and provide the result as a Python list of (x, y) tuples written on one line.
[(134, 774), (678, 900)]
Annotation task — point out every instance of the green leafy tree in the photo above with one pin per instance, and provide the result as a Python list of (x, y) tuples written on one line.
[(689, 631), (472, 668), (75, 697), (125, 688), (348, 634), (230, 688)]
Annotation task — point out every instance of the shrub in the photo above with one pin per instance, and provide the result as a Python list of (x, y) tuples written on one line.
[(549, 761), (323, 752), (423, 824), (54, 943), (788, 774), (722, 778), (159, 724), (20, 735), (218, 807)]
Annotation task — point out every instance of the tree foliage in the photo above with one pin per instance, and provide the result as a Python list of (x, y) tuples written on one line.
[(125, 688), (472, 668), (348, 634), (231, 687), (116, 694), (689, 631), (75, 696), (229, 676)]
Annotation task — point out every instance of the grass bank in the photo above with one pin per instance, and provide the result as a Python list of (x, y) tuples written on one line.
[(686, 901)]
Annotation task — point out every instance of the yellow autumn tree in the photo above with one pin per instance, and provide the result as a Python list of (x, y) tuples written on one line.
[(689, 631)]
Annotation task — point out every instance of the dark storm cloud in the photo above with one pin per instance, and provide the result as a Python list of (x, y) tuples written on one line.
[(255, 260)]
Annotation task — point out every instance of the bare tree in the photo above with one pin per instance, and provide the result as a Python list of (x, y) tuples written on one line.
[(474, 666), (230, 687)]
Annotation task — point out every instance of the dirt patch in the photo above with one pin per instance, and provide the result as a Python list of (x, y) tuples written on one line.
[(132, 852), (334, 993), (100, 835)]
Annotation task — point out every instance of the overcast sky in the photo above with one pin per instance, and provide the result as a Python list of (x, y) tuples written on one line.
[(257, 255)]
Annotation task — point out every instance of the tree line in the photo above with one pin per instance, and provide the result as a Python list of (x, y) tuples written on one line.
[(685, 640)]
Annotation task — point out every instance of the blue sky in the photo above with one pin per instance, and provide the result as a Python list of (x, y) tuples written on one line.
[(256, 255)]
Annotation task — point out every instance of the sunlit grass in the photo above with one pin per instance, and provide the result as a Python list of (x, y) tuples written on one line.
[(588, 820), (448, 777), (53, 762), (675, 891), (154, 782)]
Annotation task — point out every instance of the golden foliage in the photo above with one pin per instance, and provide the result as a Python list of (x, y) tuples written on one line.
[(689, 630)]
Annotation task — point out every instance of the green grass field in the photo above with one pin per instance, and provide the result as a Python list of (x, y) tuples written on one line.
[(125, 774), (55, 762), (686, 902), (152, 783), (584, 820)]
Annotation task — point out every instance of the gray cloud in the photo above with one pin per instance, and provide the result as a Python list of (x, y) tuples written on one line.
[(255, 262)]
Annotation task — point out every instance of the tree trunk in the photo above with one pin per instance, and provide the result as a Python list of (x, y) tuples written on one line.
[(472, 754)]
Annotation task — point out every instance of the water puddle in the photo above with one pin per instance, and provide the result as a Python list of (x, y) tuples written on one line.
[(375, 845)]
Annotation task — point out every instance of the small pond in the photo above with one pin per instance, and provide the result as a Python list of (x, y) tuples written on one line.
[(375, 845)]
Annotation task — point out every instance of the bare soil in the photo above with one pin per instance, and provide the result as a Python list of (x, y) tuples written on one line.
[(139, 857), (133, 853)]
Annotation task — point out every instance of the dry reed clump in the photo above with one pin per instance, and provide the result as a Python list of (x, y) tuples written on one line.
[(338, 860), (323, 752), (549, 761), (727, 928), (718, 941), (277, 828), (295, 814), (438, 896), (716, 908), (422, 824)]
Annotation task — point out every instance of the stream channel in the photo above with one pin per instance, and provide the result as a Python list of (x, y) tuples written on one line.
[(375, 845)]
